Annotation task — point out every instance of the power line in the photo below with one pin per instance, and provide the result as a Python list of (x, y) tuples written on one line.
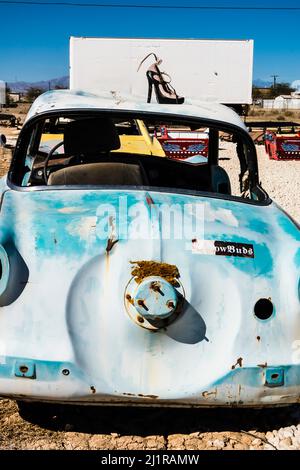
[(166, 7)]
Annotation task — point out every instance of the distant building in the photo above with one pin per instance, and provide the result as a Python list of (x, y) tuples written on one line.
[(2, 93), (14, 97), (291, 101), (284, 102)]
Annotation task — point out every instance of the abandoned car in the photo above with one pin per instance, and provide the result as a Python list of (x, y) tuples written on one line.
[(128, 278)]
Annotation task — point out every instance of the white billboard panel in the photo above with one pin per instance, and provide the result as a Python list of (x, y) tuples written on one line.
[(213, 70)]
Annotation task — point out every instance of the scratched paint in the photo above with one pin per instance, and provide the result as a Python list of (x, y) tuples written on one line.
[(65, 99), (63, 307), (71, 313)]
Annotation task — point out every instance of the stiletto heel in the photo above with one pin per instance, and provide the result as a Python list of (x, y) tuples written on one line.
[(150, 85), (164, 91)]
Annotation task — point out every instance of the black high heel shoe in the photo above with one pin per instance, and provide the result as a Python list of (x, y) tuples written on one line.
[(165, 93)]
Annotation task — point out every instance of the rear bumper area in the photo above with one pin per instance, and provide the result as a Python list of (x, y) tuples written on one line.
[(63, 382)]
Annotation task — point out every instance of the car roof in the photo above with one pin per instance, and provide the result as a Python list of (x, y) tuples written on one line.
[(68, 100)]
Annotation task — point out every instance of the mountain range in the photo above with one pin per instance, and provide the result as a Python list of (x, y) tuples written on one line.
[(259, 83), (22, 87), (63, 82)]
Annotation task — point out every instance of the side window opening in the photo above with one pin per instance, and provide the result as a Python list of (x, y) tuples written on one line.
[(231, 152)]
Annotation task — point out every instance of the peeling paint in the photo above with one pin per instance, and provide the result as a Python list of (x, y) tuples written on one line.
[(110, 244), (239, 362), (83, 327), (154, 397), (207, 394), (76, 99), (263, 366)]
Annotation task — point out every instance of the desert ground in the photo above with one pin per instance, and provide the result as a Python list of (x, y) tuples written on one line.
[(281, 179), (66, 427)]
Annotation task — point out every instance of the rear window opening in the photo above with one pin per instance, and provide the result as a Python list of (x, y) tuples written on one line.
[(67, 150)]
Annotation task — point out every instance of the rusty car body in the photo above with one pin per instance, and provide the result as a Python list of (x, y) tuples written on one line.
[(103, 302)]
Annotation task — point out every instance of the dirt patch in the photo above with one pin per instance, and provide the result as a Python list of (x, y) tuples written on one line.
[(11, 134), (261, 114)]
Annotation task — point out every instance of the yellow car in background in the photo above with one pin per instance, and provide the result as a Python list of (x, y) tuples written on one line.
[(134, 139), (142, 143)]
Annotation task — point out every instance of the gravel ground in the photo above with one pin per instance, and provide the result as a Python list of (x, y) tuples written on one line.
[(281, 179), (138, 428), (73, 427)]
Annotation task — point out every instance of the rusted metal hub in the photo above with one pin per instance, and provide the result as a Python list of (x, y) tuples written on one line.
[(155, 298), (153, 302)]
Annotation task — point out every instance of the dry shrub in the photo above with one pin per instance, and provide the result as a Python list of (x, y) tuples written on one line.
[(289, 113)]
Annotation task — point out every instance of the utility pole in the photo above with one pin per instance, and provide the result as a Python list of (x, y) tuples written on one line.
[(274, 80)]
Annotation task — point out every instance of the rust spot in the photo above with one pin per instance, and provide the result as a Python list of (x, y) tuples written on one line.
[(149, 200), (140, 319), (140, 395), (141, 303), (194, 240), (207, 394), (155, 286), (263, 366), (23, 369), (258, 338), (112, 240), (144, 269), (170, 304), (110, 244), (239, 362), (130, 299), (147, 396), (93, 389)]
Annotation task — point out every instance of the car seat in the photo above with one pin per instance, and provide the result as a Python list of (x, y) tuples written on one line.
[(85, 141), (220, 182)]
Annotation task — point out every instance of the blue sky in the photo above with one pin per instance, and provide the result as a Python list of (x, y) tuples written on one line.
[(34, 40)]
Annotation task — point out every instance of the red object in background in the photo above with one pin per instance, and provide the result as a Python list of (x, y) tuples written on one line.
[(282, 146), (181, 144)]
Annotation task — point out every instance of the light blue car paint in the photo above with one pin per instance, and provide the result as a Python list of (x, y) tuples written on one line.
[(71, 313), (65, 331)]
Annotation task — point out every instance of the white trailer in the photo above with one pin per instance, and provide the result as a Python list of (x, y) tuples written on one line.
[(212, 70)]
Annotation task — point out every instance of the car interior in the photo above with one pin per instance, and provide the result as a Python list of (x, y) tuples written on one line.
[(86, 151)]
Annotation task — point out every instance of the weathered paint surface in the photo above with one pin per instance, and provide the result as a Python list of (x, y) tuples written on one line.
[(57, 100), (64, 331)]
